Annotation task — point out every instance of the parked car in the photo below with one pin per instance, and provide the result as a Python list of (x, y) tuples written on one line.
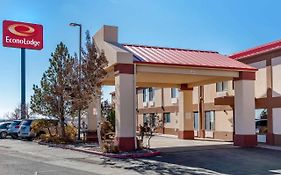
[(26, 132), (25, 129), (4, 129), (14, 128)]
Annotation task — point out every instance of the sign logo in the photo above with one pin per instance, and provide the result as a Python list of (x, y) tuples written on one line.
[(22, 35)]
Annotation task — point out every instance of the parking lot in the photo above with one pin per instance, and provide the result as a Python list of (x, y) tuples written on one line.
[(184, 157)]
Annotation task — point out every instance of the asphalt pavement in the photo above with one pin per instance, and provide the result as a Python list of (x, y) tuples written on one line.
[(184, 157)]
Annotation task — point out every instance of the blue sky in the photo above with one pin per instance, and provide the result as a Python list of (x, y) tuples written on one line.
[(223, 26)]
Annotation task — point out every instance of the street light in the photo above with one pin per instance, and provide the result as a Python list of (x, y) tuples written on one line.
[(80, 47)]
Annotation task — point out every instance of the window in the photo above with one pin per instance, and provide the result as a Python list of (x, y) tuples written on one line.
[(222, 86), (167, 118), (196, 120), (174, 92), (145, 119), (149, 119), (151, 94), (145, 95), (210, 120)]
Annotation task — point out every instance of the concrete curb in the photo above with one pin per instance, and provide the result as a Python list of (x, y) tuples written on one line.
[(110, 155)]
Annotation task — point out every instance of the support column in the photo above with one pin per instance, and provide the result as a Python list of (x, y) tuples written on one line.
[(186, 119), (244, 100), (125, 107), (201, 112), (93, 113)]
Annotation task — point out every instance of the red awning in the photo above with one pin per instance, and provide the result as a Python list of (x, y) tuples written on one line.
[(183, 57)]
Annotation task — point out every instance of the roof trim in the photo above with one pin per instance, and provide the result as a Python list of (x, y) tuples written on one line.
[(197, 66), (257, 50), (171, 48)]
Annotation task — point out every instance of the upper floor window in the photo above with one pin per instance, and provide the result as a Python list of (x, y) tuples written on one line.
[(145, 95), (148, 94), (222, 86), (174, 92), (151, 94)]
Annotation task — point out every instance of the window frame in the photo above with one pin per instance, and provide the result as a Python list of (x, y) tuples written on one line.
[(151, 94), (167, 120), (222, 86), (174, 93), (210, 123)]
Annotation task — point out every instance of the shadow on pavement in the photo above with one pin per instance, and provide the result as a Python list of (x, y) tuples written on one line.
[(214, 159)]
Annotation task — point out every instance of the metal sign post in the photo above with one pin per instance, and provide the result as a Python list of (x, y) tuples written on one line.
[(23, 95)]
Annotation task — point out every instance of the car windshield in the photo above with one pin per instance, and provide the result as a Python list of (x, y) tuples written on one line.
[(26, 122)]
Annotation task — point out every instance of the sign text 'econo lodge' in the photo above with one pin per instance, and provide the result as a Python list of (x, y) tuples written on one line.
[(22, 35)]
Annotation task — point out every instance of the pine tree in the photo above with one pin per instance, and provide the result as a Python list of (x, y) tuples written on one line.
[(67, 87), (52, 97)]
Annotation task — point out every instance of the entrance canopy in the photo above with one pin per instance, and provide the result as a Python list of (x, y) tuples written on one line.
[(132, 66), (165, 67)]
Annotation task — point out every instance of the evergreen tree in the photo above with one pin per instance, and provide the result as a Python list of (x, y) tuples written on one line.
[(52, 97)]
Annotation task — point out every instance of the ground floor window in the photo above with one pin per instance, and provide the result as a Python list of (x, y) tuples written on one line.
[(149, 119), (261, 121), (167, 117), (196, 120), (210, 120)]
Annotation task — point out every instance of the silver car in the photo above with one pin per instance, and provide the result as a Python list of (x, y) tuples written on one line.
[(25, 129), (14, 128), (4, 129)]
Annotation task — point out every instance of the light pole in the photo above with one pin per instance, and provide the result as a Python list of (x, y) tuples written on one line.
[(79, 73)]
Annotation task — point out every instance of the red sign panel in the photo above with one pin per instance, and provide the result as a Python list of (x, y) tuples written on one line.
[(22, 35)]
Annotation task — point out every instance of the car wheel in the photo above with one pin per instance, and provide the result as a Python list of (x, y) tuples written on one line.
[(3, 135)]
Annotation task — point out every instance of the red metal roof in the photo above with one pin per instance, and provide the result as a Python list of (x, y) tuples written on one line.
[(257, 50), (183, 57)]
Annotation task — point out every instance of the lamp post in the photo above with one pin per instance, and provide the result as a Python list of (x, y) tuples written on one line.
[(80, 47)]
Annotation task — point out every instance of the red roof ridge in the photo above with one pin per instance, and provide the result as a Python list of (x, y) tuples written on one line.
[(256, 50), (171, 48)]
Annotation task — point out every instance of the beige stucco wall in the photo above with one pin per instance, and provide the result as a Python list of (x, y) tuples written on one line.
[(195, 95), (209, 93), (260, 83), (276, 120), (167, 98), (174, 121), (140, 119), (223, 121), (276, 79)]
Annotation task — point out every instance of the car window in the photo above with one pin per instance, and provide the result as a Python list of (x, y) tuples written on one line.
[(26, 122), (4, 125)]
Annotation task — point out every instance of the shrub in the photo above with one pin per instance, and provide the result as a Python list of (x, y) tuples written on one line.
[(50, 128)]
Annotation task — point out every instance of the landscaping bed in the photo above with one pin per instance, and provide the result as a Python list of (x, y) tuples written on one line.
[(93, 148)]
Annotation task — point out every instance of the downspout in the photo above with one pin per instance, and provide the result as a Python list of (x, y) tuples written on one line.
[(162, 106)]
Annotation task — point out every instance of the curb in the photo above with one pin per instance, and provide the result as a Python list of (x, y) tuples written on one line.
[(110, 155)]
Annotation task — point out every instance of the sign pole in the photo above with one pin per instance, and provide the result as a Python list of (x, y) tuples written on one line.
[(23, 104)]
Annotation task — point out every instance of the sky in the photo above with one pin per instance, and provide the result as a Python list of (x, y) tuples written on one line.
[(223, 26)]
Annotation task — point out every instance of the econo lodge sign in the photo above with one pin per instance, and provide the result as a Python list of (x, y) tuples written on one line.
[(22, 35)]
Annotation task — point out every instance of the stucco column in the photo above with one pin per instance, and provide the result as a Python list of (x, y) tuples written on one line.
[(125, 106), (244, 100), (93, 113), (186, 119)]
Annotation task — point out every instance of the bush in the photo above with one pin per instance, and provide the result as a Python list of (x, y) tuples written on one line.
[(50, 129), (110, 147)]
